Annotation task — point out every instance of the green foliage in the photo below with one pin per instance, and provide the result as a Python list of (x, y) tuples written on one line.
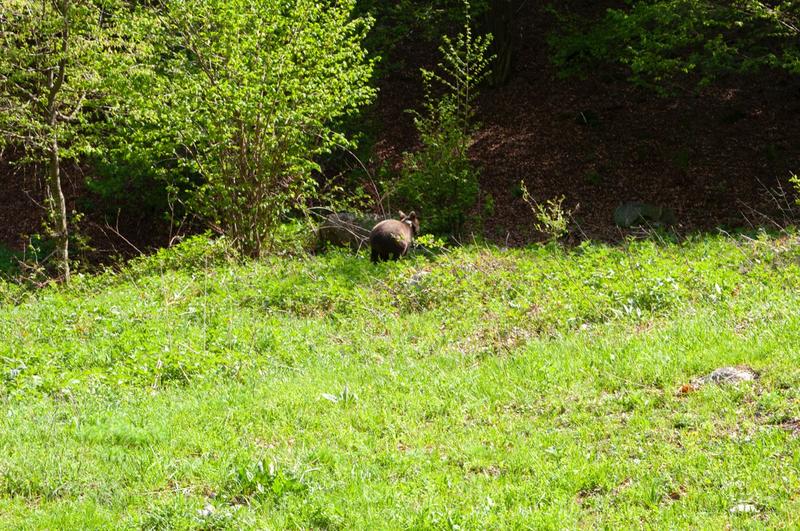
[(188, 291), (402, 22), (8, 261), (431, 242), (551, 217), (42, 41), (55, 59), (439, 179), (661, 41), (131, 184), (246, 93), (465, 64), (194, 253), (254, 481), (795, 181)]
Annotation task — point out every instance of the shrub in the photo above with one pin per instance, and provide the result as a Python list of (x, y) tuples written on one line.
[(194, 253), (658, 42), (439, 180), (246, 93), (551, 217)]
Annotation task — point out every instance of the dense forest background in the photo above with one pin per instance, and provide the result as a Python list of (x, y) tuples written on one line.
[(690, 105)]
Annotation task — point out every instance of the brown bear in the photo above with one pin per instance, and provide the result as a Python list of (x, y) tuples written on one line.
[(390, 239)]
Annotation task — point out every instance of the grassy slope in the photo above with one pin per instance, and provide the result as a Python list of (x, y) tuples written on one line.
[(505, 388)]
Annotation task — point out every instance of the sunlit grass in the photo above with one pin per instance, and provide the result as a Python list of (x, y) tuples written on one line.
[(481, 388)]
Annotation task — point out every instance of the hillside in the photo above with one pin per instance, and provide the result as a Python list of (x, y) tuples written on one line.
[(716, 155), (157, 376), (483, 388)]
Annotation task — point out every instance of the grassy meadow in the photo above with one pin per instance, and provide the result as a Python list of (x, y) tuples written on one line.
[(480, 388)]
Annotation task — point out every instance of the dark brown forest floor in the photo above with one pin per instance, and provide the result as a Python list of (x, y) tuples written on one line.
[(21, 193), (717, 156)]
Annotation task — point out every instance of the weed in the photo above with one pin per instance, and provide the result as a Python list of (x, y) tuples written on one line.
[(552, 218)]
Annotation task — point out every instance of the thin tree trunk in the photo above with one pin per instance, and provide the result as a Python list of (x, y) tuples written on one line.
[(497, 21), (59, 209)]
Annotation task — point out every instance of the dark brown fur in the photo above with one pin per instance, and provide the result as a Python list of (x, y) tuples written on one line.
[(390, 239)]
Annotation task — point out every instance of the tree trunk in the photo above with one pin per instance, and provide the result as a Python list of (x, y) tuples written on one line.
[(497, 21), (59, 210), (58, 207)]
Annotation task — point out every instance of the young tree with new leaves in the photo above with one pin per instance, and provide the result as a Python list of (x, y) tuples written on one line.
[(439, 180), (54, 54)]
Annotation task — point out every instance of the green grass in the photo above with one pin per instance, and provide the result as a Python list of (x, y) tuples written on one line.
[(529, 388)]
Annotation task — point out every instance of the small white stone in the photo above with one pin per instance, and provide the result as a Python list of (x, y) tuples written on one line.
[(744, 508), (208, 510), (728, 375)]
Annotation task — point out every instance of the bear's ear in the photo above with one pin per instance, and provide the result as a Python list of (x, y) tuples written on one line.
[(402, 215)]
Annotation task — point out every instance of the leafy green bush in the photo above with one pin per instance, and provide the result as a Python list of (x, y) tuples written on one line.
[(245, 94), (194, 253), (439, 180), (551, 217), (134, 185), (659, 41)]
